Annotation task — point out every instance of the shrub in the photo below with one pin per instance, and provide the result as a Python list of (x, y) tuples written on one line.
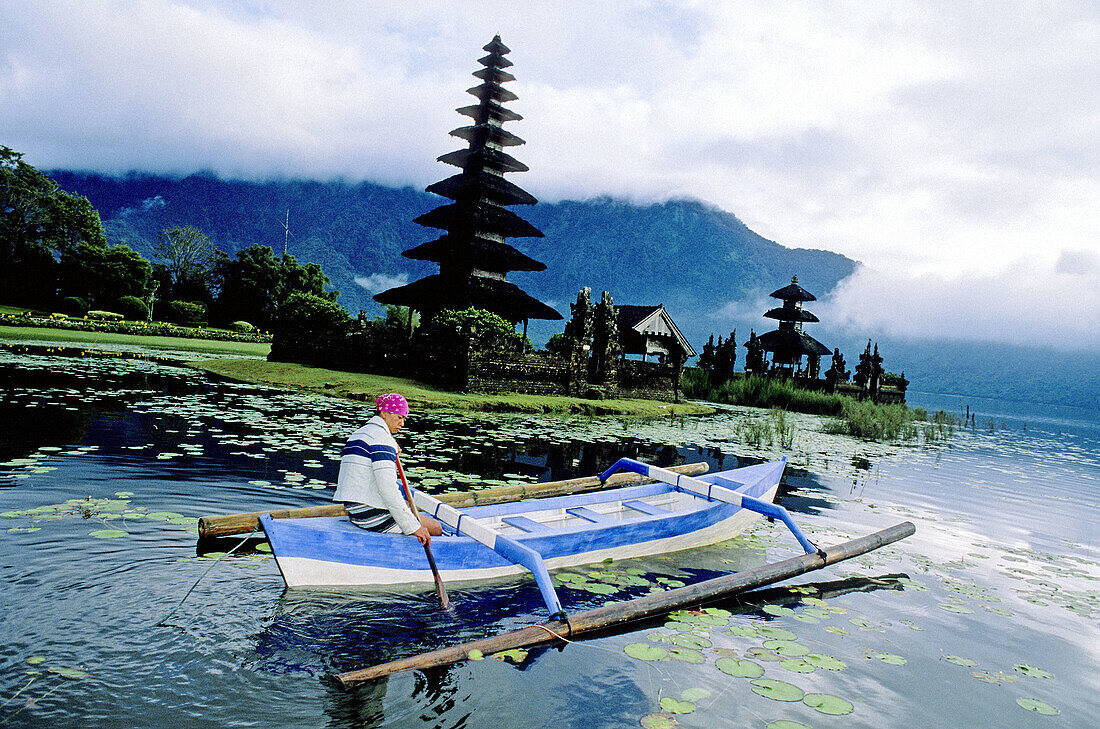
[(558, 345), (73, 306), (188, 313), (104, 315), (311, 330), (487, 330), (131, 307), (242, 326)]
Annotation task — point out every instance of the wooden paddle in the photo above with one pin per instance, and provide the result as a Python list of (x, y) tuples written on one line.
[(440, 590)]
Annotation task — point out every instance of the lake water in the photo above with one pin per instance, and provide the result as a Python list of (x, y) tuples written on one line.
[(988, 616)]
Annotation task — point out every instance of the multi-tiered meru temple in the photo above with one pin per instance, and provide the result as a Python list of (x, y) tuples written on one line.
[(473, 255)]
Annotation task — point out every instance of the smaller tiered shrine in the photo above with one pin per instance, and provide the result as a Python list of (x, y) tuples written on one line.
[(789, 344)]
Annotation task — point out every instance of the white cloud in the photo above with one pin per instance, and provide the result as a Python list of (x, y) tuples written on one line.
[(377, 282), (1030, 302), (926, 138)]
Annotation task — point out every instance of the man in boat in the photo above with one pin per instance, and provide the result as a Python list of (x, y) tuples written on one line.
[(368, 476)]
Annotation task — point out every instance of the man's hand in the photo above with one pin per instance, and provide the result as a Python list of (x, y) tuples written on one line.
[(422, 536)]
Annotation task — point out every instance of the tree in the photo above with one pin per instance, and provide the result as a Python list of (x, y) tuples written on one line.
[(311, 330), (189, 257), (255, 286), (101, 276), (39, 222)]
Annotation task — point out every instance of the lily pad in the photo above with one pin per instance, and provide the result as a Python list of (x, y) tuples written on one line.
[(107, 533), (73, 673), (694, 694), (739, 669), (744, 631), (35, 660), (1039, 707), (953, 608), (772, 631), (828, 663), (775, 690), (1033, 671), (892, 659), (829, 704), (686, 655), (777, 610), (646, 652), (659, 721), (786, 724), (675, 706), (515, 655), (960, 661), (787, 648), (797, 665), (475, 655), (689, 640)]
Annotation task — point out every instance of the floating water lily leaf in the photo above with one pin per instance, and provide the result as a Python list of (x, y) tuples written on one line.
[(107, 533), (829, 704), (718, 612), (264, 547), (475, 655), (797, 665), (836, 630), (73, 673), (659, 721), (861, 622), (35, 660), (772, 631), (960, 661), (515, 655), (744, 631), (646, 652), (739, 669), (124, 494), (786, 724), (829, 663), (1033, 671), (163, 515), (687, 640), (694, 694), (892, 659), (763, 654), (997, 678), (777, 610), (953, 608), (687, 655), (786, 647), (770, 688), (675, 706), (1039, 707), (815, 601)]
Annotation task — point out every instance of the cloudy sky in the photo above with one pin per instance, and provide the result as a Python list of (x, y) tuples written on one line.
[(952, 147)]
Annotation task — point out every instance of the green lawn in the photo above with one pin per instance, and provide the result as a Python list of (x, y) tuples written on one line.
[(205, 346), (358, 386)]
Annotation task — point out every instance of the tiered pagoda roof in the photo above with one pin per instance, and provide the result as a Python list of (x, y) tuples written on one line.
[(472, 254), (789, 343)]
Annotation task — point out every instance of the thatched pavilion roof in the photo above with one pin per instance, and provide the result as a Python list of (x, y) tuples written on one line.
[(503, 298), (487, 255)]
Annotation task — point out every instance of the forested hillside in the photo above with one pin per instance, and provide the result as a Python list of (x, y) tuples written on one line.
[(687, 255)]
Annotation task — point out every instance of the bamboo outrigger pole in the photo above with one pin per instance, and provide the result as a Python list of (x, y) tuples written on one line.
[(230, 524), (602, 618)]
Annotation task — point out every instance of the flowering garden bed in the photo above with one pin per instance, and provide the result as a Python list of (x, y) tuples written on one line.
[(146, 328)]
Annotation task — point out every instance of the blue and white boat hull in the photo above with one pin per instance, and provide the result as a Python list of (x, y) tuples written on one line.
[(565, 531)]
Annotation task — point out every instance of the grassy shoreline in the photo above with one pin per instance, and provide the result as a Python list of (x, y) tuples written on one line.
[(359, 386), (182, 344)]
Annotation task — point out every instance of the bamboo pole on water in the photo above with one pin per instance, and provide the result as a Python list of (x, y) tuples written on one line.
[(642, 607), (230, 524)]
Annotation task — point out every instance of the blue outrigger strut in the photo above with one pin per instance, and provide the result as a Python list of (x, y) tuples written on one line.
[(502, 544), (714, 492)]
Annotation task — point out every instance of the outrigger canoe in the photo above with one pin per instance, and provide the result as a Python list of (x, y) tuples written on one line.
[(494, 541)]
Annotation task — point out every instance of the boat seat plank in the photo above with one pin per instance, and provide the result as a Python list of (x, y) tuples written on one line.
[(527, 525), (589, 515), (645, 507)]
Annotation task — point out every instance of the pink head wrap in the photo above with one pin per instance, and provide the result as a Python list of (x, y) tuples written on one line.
[(392, 403)]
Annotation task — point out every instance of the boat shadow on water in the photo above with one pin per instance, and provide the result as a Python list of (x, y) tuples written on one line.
[(322, 632)]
